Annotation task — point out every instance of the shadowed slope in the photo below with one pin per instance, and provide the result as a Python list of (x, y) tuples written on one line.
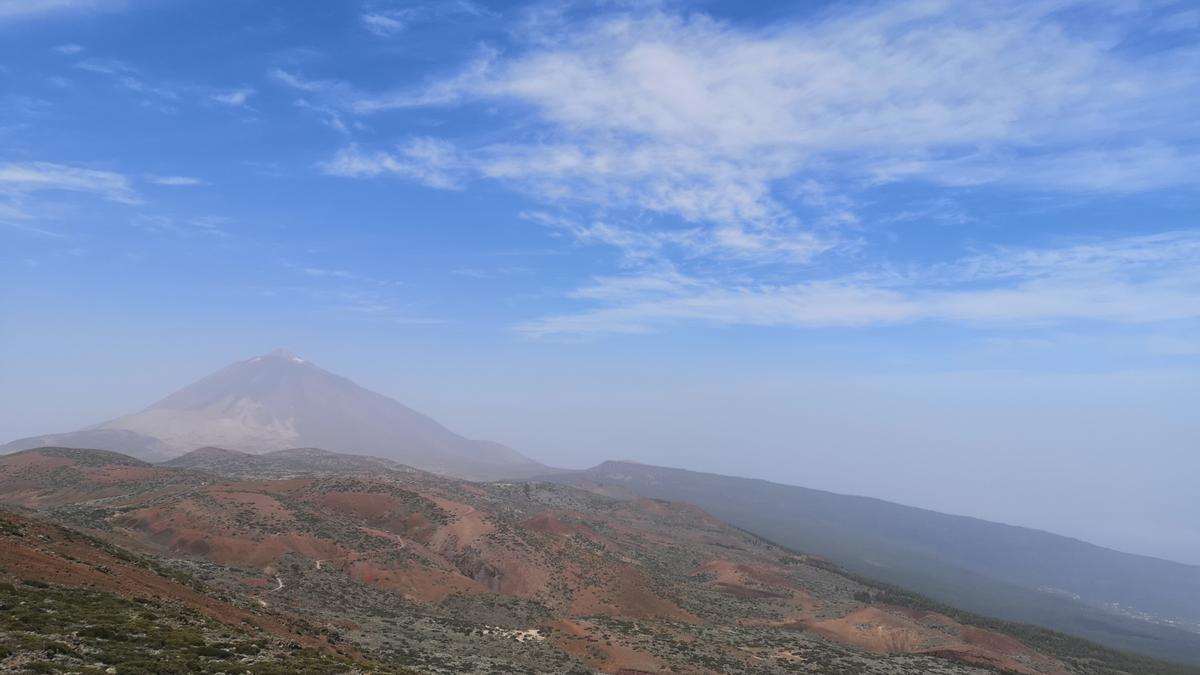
[(1014, 573)]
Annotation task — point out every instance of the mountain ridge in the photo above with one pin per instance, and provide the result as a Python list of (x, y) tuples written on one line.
[(1022, 574)]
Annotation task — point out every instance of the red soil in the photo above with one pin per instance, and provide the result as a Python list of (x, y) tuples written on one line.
[(53, 554)]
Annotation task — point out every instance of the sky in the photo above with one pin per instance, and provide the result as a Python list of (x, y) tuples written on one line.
[(942, 253)]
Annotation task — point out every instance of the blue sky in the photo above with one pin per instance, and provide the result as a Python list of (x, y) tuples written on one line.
[(943, 253)]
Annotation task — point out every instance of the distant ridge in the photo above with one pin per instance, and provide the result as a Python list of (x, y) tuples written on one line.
[(280, 401), (1014, 573)]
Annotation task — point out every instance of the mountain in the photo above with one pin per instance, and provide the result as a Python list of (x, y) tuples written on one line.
[(412, 569), (1019, 574), (280, 401)]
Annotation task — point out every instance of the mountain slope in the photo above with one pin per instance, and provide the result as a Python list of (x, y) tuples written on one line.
[(280, 463), (456, 577), (72, 603), (1010, 572), (279, 401)]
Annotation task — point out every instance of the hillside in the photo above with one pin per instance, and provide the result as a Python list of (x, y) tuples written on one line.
[(279, 401), (447, 576), (1013, 573), (280, 463), (72, 603)]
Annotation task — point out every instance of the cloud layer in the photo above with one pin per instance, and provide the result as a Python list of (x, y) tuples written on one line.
[(699, 119), (697, 148), (1129, 280)]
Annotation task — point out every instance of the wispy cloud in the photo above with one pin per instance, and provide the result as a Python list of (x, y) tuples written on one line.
[(131, 78), (214, 227), (30, 177), (326, 273), (343, 96), (18, 9), (492, 272), (234, 98), (177, 181), (160, 93), (388, 19), (714, 124), (1136, 168), (698, 148), (357, 294), (69, 49), (656, 245), (30, 229), (384, 25), (425, 160), (1128, 280), (297, 81)]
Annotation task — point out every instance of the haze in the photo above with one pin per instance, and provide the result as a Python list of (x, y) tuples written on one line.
[(942, 254)]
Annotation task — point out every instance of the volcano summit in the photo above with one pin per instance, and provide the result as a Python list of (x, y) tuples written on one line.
[(278, 401)]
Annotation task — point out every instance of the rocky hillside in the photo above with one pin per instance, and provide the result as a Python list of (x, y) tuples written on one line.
[(413, 569), (73, 603)]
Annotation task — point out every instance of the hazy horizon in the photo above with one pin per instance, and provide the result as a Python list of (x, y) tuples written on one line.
[(648, 423), (941, 254)]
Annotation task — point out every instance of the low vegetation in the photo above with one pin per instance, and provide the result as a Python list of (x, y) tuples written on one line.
[(49, 629)]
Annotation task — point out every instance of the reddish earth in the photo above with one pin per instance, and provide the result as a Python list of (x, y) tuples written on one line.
[(577, 638), (748, 581), (39, 479), (884, 630), (39, 551), (428, 538)]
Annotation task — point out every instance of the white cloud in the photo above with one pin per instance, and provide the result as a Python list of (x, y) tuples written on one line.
[(297, 82), (30, 177), (325, 273), (234, 98), (697, 147), (17, 9), (384, 25), (492, 272), (341, 95), (1111, 170), (424, 160), (130, 78), (1130, 280), (388, 19), (657, 245), (69, 49), (31, 229), (705, 102), (204, 226), (177, 181), (696, 119)]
